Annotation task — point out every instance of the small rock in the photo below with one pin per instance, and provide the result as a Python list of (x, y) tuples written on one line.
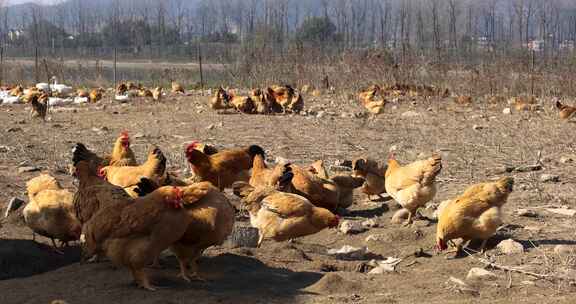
[(480, 274), (138, 135), (564, 250), (14, 129), (349, 253), (549, 178), (372, 238), (528, 168), (27, 169), (507, 111), (478, 116), (384, 266), (320, 114), (510, 246), (14, 204), (409, 114), (400, 216), (566, 160), (526, 213), (344, 163), (462, 287), (528, 283), (210, 127), (351, 227), (4, 149), (562, 211), (477, 127), (371, 223)]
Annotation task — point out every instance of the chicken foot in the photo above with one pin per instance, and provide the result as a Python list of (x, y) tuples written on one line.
[(142, 279)]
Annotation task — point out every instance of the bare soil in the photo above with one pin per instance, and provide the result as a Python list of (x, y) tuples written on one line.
[(476, 144)]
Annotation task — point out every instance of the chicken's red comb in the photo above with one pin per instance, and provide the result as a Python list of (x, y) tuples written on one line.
[(101, 173), (124, 134), (391, 155), (178, 198), (192, 146)]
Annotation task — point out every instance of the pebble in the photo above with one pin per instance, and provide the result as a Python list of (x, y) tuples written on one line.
[(549, 178), (565, 250), (409, 114), (526, 213), (4, 149), (480, 274), (351, 227), (566, 160), (27, 169), (477, 127), (507, 111), (562, 211), (528, 168), (371, 223), (348, 252), (510, 246)]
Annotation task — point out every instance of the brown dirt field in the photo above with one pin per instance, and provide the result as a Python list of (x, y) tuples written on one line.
[(302, 271)]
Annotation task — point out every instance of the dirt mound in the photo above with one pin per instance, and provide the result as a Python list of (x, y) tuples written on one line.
[(333, 283), (22, 258)]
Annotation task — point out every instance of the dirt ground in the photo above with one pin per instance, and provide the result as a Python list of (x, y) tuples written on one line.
[(477, 143)]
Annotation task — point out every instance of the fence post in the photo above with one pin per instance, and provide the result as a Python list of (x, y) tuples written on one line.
[(36, 67), (532, 72), (1, 65), (200, 66), (115, 61)]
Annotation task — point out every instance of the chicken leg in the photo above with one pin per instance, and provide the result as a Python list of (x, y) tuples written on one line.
[(142, 279)]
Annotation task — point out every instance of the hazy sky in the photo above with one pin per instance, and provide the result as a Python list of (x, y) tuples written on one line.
[(12, 2)]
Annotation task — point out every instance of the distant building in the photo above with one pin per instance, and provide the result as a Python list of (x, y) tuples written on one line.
[(536, 45), (567, 45), (14, 34)]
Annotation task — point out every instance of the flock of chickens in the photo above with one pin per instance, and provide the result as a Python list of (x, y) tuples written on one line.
[(130, 212)]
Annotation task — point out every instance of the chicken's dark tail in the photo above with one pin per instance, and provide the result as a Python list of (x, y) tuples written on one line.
[(256, 150), (81, 153), (145, 186)]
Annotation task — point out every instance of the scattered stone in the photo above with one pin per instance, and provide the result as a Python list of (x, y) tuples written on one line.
[(372, 238), (351, 227), (501, 170), (507, 111), (564, 250), (528, 283), (562, 211), (138, 135), (210, 127), (528, 168), (480, 274), (566, 159), (526, 213), (371, 223), (409, 114), (27, 169), (100, 130), (462, 287), (14, 204), (549, 178), (344, 163), (400, 216), (477, 127), (349, 253), (4, 149), (384, 266), (510, 246), (14, 129), (320, 114)]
